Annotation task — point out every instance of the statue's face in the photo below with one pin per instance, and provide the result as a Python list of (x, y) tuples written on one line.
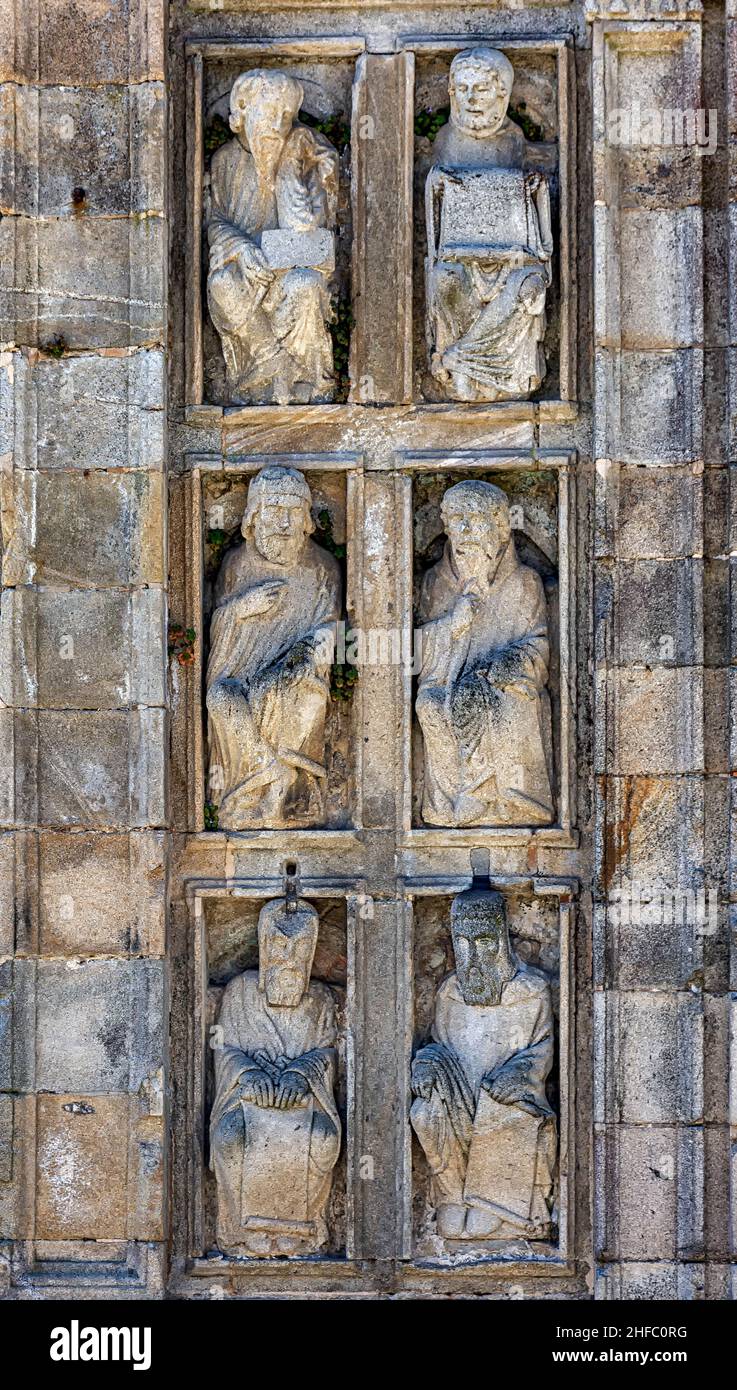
[(476, 541), (483, 955), (280, 526), (268, 120), (479, 97), (286, 953)]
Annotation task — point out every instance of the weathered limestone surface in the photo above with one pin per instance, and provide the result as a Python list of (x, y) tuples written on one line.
[(562, 752), (83, 391)]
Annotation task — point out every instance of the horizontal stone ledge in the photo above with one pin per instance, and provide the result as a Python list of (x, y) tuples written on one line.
[(230, 417)]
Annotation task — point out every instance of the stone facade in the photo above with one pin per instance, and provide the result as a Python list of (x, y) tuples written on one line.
[(367, 649)]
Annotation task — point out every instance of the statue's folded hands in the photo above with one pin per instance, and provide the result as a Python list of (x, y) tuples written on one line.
[(293, 1088), (508, 1085), (257, 1087)]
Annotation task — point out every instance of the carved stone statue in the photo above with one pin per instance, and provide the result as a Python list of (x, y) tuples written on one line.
[(274, 1128), (489, 242), (274, 191), (272, 636), (480, 1110), (482, 704)]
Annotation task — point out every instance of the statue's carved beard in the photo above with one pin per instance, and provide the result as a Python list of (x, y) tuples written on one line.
[(477, 562), (473, 563), (484, 985), (481, 123), (280, 549), (267, 149), (284, 985)]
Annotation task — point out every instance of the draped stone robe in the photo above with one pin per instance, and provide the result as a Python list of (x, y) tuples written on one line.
[(483, 1153), (485, 745), (274, 338), (268, 688), (274, 1167)]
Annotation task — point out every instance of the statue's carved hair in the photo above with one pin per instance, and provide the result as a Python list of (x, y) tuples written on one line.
[(249, 84), (492, 500), (279, 482), (482, 57)]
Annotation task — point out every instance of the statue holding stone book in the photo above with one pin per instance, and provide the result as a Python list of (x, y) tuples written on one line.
[(273, 202), (489, 242)]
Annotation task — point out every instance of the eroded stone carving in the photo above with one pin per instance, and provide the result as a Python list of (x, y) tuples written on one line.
[(480, 1111), (274, 1129), (482, 702), (274, 191), (272, 637), (489, 241)]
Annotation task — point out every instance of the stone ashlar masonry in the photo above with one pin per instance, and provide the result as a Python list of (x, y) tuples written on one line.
[(112, 888)]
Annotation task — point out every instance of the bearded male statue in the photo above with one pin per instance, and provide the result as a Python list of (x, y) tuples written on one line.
[(274, 1128), (482, 702), (480, 1111), (272, 636), (273, 196), (489, 242)]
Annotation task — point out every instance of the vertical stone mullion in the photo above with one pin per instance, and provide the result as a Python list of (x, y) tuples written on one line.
[(382, 142), (381, 1040)]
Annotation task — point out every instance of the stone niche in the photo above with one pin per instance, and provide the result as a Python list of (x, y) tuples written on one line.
[(228, 943), (540, 110), (307, 279), (538, 503), (539, 917), (220, 493)]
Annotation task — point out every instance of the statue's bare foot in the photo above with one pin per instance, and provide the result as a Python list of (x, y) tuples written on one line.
[(450, 1220), (438, 368), (481, 1223)]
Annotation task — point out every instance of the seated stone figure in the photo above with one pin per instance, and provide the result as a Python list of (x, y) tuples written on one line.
[(480, 1110), (272, 635), (273, 194), (274, 1128), (489, 242), (481, 701)]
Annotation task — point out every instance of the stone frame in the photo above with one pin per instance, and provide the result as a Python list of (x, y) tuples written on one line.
[(346, 1271), (200, 466), (197, 52), (197, 891), (558, 1256), (492, 460), (565, 233), (379, 432)]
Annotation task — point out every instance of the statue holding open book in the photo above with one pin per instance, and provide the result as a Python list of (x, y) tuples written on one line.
[(489, 242)]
